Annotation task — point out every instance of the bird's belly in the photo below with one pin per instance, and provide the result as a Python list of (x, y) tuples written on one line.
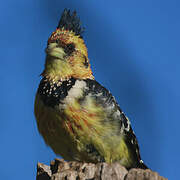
[(96, 146)]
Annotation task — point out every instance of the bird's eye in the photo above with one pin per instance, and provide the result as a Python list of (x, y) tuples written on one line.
[(69, 48), (86, 64)]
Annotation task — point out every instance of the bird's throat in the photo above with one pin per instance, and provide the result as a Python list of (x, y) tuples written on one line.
[(56, 69)]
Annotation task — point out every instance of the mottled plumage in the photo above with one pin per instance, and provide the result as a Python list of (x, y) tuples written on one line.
[(77, 117)]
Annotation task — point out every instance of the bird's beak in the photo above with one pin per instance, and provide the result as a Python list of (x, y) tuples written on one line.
[(54, 51)]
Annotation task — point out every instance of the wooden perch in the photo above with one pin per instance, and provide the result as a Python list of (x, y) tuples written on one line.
[(62, 170)]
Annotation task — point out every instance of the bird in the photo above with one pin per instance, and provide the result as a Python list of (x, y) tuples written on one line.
[(77, 116)]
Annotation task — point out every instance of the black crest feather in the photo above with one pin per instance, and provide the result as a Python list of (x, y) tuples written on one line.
[(70, 22)]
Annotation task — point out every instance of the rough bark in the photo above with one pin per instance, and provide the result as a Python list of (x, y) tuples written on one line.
[(62, 170)]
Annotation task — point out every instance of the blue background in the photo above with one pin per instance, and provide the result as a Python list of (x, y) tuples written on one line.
[(134, 51)]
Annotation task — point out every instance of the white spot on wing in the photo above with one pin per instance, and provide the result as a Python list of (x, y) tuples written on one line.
[(129, 124), (99, 94)]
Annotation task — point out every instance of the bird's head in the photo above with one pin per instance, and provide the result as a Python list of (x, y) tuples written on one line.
[(66, 52)]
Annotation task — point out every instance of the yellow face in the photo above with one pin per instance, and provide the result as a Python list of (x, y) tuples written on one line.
[(66, 57)]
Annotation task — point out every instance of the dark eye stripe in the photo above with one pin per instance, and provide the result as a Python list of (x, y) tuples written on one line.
[(69, 49)]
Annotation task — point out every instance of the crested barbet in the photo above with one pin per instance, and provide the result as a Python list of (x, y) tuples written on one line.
[(78, 117)]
